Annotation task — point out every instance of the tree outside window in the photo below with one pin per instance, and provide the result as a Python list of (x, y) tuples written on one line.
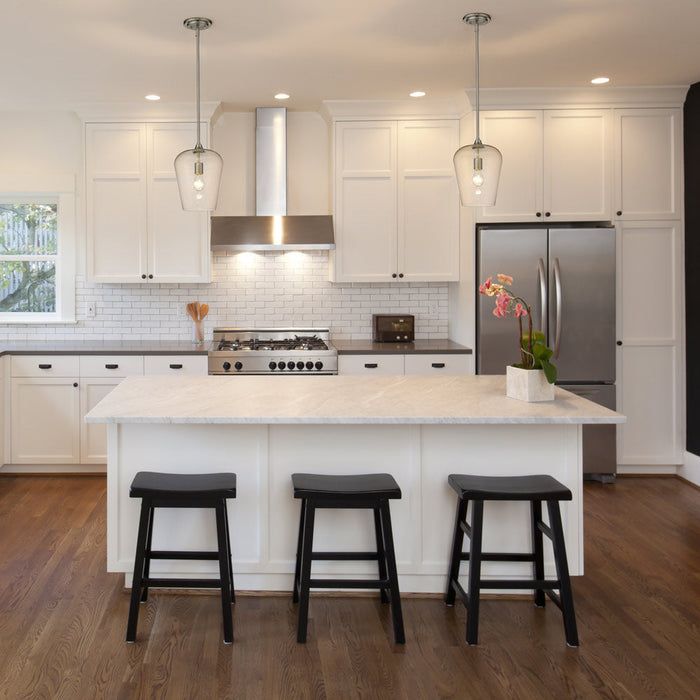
[(28, 257)]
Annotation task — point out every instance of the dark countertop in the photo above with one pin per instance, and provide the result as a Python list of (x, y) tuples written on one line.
[(104, 347), (418, 347)]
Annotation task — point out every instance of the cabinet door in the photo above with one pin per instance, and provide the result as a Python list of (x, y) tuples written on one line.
[(45, 420), (650, 361), (178, 240), (648, 164), (518, 136), (365, 201), (428, 201), (115, 163), (93, 436), (577, 165), (371, 364)]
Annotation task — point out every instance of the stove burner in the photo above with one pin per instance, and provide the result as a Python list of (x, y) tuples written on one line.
[(304, 342)]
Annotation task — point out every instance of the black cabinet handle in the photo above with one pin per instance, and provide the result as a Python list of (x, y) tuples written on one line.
[(438, 365), (75, 383), (111, 366), (371, 365), (175, 366), (44, 366)]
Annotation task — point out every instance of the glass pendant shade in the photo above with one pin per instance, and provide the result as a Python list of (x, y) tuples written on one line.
[(478, 169), (198, 172)]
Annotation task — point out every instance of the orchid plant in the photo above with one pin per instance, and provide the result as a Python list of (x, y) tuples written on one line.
[(534, 353)]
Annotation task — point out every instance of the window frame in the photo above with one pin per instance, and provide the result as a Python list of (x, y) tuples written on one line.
[(30, 188)]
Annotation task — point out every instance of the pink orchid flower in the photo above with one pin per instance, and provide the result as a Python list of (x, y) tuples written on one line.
[(505, 279), (483, 289), (520, 310)]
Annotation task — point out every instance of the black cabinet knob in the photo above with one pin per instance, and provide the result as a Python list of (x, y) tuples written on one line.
[(547, 213), (619, 342), (75, 383), (143, 277), (619, 213), (150, 277), (539, 213), (400, 274), (394, 275)]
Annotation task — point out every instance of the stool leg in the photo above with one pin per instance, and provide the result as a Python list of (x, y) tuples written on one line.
[(300, 542), (537, 549), (475, 572), (305, 573), (388, 536), (381, 554), (139, 564), (147, 562), (457, 544), (224, 563), (228, 550), (565, 594)]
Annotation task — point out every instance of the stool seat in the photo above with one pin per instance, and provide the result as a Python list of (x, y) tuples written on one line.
[(221, 485), (511, 488), (347, 485)]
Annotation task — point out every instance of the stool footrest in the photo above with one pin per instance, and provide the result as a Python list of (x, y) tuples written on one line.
[(181, 582), (163, 554), (502, 556), (534, 584), (348, 583), (344, 556)]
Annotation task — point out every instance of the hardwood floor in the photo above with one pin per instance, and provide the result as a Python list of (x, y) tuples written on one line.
[(63, 618)]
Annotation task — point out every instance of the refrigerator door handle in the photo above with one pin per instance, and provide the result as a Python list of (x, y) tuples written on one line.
[(558, 294), (542, 275)]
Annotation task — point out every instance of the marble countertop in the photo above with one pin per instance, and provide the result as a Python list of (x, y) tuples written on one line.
[(418, 347), (335, 400), (104, 347)]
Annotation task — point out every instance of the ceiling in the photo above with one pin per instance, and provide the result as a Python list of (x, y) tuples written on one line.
[(56, 54)]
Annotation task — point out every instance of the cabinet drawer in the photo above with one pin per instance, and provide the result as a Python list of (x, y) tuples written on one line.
[(438, 364), (45, 366), (110, 365), (370, 364), (176, 364)]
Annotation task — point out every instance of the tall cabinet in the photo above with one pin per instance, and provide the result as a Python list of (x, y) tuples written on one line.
[(396, 201), (137, 230)]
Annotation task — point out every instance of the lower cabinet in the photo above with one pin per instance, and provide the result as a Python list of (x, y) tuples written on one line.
[(447, 364), (50, 395)]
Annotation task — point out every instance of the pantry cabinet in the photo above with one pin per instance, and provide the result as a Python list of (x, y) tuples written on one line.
[(396, 201), (556, 165), (137, 230), (648, 164)]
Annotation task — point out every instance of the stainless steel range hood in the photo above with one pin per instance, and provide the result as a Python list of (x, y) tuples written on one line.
[(271, 228)]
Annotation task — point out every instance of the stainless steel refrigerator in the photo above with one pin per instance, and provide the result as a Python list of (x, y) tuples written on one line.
[(567, 276)]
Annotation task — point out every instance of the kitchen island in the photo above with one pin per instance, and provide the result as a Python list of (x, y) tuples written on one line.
[(264, 428)]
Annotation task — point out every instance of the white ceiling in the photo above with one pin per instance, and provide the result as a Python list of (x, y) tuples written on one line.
[(55, 54)]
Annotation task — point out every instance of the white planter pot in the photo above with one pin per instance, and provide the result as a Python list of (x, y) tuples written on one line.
[(528, 385)]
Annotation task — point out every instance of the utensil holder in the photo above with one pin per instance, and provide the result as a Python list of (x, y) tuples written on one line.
[(198, 332)]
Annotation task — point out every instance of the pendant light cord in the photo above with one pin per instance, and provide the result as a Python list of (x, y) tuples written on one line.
[(198, 148), (476, 42)]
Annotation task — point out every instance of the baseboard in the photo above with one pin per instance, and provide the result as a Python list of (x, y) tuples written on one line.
[(647, 470), (53, 469), (690, 470)]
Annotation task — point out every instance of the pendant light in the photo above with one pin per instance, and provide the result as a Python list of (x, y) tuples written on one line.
[(478, 166), (198, 170)]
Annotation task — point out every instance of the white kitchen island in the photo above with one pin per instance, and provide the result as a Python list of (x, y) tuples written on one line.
[(264, 428)]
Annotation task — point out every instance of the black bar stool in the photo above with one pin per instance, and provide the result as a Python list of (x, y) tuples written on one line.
[(371, 491), (536, 488), (159, 490)]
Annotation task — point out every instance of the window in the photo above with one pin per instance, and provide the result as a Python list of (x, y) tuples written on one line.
[(36, 255)]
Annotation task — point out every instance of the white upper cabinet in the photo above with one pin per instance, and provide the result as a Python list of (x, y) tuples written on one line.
[(557, 165), (648, 164), (136, 228), (396, 201)]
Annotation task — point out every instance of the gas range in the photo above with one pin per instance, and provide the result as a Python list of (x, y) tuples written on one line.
[(273, 351)]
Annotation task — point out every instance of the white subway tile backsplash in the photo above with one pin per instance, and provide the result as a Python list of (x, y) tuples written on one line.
[(247, 289)]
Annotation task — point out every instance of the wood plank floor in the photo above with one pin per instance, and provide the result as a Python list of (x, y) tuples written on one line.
[(62, 618)]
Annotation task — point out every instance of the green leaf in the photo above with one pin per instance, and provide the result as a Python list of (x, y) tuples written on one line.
[(550, 371)]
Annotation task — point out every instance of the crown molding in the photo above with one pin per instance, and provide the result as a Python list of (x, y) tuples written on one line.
[(144, 111), (415, 108)]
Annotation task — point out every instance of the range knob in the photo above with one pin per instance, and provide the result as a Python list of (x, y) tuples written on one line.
[(239, 366), (226, 366), (282, 364), (272, 365), (300, 365), (309, 365), (319, 365), (291, 365)]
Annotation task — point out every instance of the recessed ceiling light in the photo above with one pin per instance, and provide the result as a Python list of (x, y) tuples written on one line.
[(153, 98), (281, 96), (418, 93), (600, 81)]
